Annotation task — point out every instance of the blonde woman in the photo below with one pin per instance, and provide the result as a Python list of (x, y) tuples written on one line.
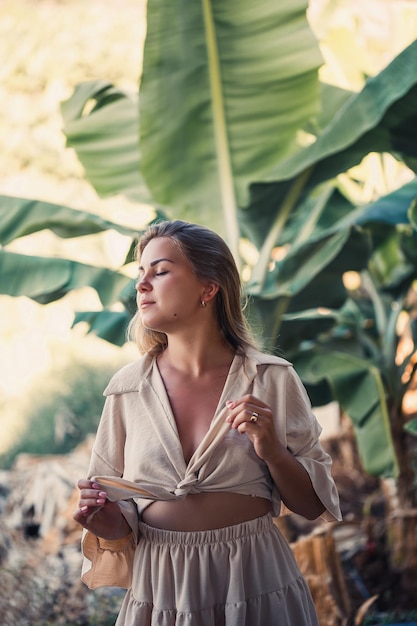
[(202, 441)]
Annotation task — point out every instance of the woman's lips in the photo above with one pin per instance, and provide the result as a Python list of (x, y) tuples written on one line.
[(145, 303)]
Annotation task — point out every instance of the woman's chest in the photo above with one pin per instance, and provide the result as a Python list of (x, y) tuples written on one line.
[(193, 405)]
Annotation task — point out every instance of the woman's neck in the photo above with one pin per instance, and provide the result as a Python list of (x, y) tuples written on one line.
[(196, 357)]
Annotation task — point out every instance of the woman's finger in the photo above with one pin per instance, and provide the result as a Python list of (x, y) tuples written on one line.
[(92, 498), (242, 412)]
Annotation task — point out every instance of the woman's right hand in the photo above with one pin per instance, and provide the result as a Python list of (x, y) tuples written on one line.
[(97, 514)]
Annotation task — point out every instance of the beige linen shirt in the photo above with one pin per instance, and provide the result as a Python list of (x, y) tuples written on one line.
[(138, 446)]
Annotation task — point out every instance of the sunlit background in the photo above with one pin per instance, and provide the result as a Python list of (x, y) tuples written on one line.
[(47, 48)]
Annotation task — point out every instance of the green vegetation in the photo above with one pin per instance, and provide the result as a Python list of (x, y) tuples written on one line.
[(290, 203), (285, 184), (60, 414)]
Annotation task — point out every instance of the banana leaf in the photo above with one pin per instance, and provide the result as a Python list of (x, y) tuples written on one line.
[(108, 325), (214, 108), (305, 261), (48, 279), (225, 88), (309, 277), (22, 216), (323, 212), (101, 123), (380, 118), (356, 384)]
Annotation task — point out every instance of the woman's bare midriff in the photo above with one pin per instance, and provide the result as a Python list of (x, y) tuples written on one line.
[(205, 511)]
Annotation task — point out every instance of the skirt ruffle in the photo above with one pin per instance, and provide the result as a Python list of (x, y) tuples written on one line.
[(243, 575)]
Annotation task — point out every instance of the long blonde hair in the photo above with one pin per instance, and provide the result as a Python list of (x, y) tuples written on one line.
[(210, 259)]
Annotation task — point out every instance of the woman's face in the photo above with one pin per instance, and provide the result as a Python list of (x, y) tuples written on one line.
[(168, 293)]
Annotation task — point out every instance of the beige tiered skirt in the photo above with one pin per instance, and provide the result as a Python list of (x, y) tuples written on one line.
[(243, 575)]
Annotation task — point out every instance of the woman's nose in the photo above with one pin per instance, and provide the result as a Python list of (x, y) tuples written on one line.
[(142, 285)]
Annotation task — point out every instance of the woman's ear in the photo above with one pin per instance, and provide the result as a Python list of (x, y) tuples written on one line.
[(209, 292)]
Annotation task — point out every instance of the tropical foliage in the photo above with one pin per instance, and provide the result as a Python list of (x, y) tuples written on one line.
[(232, 129)]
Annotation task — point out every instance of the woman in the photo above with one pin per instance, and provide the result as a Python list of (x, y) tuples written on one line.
[(200, 444)]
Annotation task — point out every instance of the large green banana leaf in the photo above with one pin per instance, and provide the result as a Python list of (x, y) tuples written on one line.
[(225, 87), (332, 348), (20, 217), (397, 207), (377, 119), (309, 277), (315, 219), (48, 279), (357, 385), (303, 262), (106, 138), (325, 207), (381, 118)]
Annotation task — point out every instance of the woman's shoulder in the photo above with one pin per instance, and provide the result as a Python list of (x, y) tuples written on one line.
[(128, 378)]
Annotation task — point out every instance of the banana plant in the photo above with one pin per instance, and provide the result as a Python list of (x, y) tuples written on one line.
[(357, 359), (225, 74), (309, 213), (213, 138)]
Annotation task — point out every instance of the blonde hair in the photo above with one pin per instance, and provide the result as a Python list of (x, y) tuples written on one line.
[(210, 259)]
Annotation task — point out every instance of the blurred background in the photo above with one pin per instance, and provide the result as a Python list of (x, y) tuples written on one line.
[(52, 374), (47, 49)]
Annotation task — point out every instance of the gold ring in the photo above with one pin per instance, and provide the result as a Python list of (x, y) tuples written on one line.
[(254, 417)]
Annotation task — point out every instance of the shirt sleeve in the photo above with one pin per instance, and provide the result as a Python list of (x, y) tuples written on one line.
[(109, 562), (302, 440)]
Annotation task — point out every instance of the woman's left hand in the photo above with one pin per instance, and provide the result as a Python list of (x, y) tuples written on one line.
[(250, 415), (253, 417)]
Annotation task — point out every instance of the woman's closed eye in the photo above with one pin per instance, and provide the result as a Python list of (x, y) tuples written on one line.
[(141, 274)]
